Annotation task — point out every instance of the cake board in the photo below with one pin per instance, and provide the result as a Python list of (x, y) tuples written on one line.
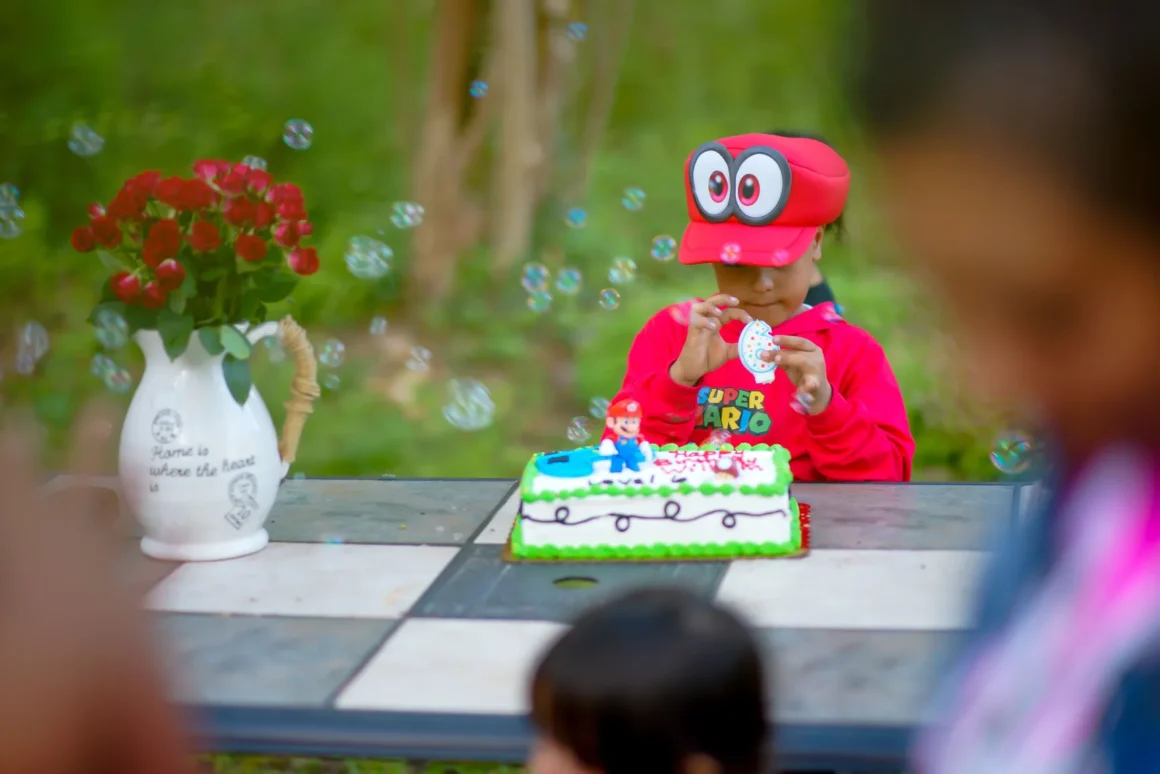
[(803, 520)]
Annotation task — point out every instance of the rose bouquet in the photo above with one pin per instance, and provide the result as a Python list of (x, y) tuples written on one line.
[(205, 255)]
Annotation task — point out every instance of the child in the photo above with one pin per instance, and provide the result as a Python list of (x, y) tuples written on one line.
[(656, 682), (759, 204), (1023, 172)]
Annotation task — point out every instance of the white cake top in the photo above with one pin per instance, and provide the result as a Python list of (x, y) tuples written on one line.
[(673, 468)]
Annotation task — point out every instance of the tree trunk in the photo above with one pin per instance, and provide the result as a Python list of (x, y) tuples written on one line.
[(519, 149), (451, 223)]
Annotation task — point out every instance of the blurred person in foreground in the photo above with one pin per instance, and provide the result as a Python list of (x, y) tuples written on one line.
[(654, 682), (1021, 164), (78, 690)]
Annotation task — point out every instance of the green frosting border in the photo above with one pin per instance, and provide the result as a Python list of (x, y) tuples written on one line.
[(779, 486), (656, 551)]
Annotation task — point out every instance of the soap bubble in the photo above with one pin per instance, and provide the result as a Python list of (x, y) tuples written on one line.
[(298, 134), (576, 218), (802, 402), (1012, 453), (33, 341), (478, 89), (664, 247), (332, 354), (11, 220), (420, 359), (469, 406), (633, 199), (116, 378), (368, 258), (255, 162), (577, 30), (609, 299), (578, 430), (622, 272), (598, 408), (332, 381), (731, 253), (568, 281), (535, 277), (379, 326), (718, 438), (9, 194), (540, 301), (85, 142), (275, 353), (406, 214), (112, 330)]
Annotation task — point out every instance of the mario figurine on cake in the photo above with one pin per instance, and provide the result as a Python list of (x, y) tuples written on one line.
[(627, 448)]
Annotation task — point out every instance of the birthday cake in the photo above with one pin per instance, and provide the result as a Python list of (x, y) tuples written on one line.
[(630, 500)]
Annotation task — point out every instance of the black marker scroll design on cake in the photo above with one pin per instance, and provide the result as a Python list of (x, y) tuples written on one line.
[(670, 511)]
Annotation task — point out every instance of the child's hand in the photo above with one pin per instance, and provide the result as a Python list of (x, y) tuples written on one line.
[(805, 364), (704, 349)]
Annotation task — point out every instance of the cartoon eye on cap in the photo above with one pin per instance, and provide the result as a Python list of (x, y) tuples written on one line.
[(762, 185), (710, 179), (633, 406)]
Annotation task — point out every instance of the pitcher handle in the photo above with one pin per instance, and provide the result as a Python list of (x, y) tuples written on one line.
[(303, 388)]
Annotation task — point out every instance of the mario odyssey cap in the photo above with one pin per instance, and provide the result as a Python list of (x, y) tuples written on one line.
[(759, 199)]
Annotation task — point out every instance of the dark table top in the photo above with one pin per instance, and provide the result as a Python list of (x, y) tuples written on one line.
[(382, 622)]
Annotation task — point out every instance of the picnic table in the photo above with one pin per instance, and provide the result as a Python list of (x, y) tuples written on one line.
[(382, 622)]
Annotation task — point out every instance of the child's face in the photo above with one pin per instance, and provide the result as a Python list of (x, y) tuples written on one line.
[(1057, 302), (549, 757), (769, 294)]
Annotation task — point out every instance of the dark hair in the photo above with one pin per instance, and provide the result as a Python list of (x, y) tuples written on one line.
[(838, 226), (642, 683), (1068, 83)]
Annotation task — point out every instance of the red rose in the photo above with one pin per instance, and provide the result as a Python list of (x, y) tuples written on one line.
[(106, 231), (209, 170), (250, 248), (234, 184), (204, 237), (304, 261), (170, 274), (145, 182), (170, 191), (153, 295), (125, 287), (239, 211), (259, 181), (163, 242), (284, 192), (128, 203), (263, 215), (197, 195), (305, 228), (286, 234), (292, 209), (83, 240), (96, 210)]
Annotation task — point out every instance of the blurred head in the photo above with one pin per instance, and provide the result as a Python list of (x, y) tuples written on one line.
[(1022, 174), (656, 682)]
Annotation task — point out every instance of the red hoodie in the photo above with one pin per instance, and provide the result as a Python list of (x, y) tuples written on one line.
[(863, 435)]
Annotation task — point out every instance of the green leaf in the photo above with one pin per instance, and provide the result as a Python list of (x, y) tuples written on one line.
[(249, 305), (235, 342), (176, 301), (113, 261), (275, 287), (239, 380), (216, 272), (175, 330), (139, 318), (211, 339), (189, 284)]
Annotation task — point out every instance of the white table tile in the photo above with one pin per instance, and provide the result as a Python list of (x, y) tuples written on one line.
[(842, 589), (307, 579), (440, 665), (498, 530)]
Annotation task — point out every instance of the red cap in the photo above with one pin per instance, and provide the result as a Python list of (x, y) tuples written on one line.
[(759, 199), (625, 409)]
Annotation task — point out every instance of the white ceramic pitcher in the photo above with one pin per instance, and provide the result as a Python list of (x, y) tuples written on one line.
[(198, 471)]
